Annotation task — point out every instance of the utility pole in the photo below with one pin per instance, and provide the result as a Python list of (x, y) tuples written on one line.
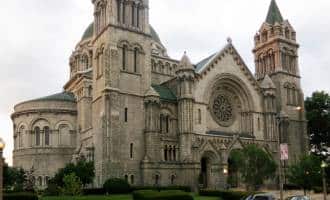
[(323, 166), (2, 146)]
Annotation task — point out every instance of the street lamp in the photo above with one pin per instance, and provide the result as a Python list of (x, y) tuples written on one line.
[(2, 146), (323, 166), (282, 119)]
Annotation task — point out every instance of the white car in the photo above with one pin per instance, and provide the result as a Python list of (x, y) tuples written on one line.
[(298, 198), (261, 197)]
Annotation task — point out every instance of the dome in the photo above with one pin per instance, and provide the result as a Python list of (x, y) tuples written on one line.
[(154, 35), (63, 96), (88, 32)]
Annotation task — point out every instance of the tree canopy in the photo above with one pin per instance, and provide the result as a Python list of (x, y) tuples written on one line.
[(13, 178), (254, 164), (318, 115), (306, 173), (82, 169)]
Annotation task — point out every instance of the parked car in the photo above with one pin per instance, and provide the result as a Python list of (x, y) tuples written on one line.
[(298, 198), (261, 197)]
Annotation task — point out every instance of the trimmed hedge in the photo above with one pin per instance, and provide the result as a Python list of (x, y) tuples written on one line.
[(162, 195), (159, 188), (116, 186), (20, 196), (225, 194), (94, 191)]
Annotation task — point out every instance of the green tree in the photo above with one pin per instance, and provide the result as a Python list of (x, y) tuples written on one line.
[(82, 169), (306, 173), (235, 161), (318, 116), (255, 166), (13, 178), (72, 185)]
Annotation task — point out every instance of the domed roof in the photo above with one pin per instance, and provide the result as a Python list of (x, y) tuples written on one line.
[(63, 96), (154, 35), (90, 31)]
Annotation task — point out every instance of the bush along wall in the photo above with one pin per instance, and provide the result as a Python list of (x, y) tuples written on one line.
[(116, 186), (226, 194), (161, 188), (20, 196), (162, 195)]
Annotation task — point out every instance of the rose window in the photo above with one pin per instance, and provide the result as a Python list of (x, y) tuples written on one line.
[(222, 108)]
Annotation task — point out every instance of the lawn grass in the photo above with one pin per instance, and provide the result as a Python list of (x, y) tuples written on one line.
[(112, 197)]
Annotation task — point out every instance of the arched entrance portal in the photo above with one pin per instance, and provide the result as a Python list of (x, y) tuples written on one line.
[(204, 172), (209, 170)]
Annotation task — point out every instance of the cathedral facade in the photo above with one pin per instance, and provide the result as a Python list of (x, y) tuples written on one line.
[(152, 120)]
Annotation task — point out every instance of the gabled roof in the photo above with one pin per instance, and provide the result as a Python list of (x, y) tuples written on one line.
[(274, 14), (203, 62), (165, 93)]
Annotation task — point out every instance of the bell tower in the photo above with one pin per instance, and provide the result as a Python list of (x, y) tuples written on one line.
[(276, 46), (276, 57)]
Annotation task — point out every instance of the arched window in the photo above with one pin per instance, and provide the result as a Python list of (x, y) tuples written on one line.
[(172, 179), (39, 181), (138, 17), (21, 136), (170, 153), (287, 33), (47, 135), (131, 150), (124, 12), (174, 153), (165, 153), (132, 179), (136, 59), (47, 180), (199, 116), (37, 135), (161, 123), (124, 57), (133, 14), (157, 179), (126, 115), (126, 178), (167, 124), (118, 10)]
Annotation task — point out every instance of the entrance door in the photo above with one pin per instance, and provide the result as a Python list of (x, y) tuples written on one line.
[(204, 172)]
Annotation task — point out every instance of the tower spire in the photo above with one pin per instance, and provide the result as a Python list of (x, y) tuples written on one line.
[(274, 14)]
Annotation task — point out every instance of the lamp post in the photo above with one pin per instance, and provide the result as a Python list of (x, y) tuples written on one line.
[(323, 166), (282, 118), (2, 146)]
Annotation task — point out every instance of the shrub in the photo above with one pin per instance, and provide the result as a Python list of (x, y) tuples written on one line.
[(94, 191), (159, 188), (72, 185), (224, 194), (52, 190), (163, 195), (20, 196), (116, 186)]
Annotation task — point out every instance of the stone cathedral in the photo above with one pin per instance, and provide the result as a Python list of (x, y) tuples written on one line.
[(142, 116)]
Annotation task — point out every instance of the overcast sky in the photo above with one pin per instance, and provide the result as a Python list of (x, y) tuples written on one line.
[(38, 36)]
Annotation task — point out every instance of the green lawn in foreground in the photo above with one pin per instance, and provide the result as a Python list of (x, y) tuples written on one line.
[(114, 197)]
